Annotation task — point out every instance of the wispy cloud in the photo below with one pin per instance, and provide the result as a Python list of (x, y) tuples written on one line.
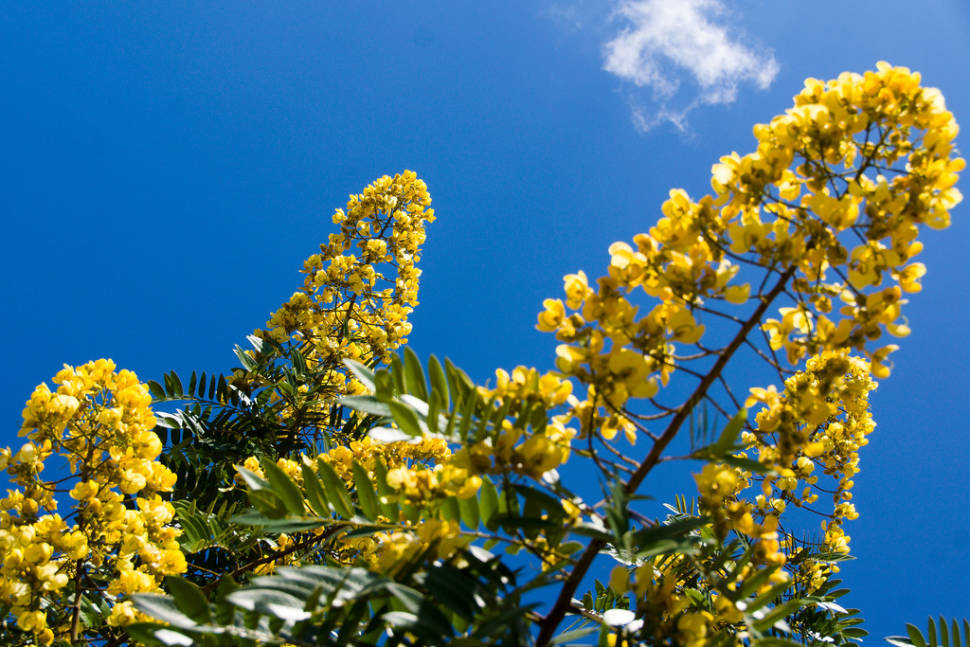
[(568, 16), (665, 43)]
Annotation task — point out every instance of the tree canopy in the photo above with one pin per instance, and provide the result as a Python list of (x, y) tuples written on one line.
[(336, 489)]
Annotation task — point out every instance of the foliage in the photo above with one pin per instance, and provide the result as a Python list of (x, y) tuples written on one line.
[(937, 635), (333, 491)]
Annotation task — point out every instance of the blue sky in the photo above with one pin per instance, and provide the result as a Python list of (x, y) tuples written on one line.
[(167, 167)]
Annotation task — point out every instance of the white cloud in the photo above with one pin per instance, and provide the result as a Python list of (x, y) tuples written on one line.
[(666, 38)]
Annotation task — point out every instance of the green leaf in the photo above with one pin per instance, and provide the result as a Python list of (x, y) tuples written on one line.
[(284, 487), (386, 435), (458, 379), (449, 509), (384, 388), (531, 524), (401, 620), (361, 372), (384, 491), (753, 582), (366, 403), (433, 417), (742, 463), (270, 602), (729, 435), (431, 618), (587, 529), (267, 503), (898, 641), (314, 491), (169, 421), (489, 410), (299, 362), (451, 587), (410, 512), (570, 547), (406, 418), (162, 607), (176, 383), (414, 380), (248, 362), (278, 525), (365, 492), (439, 383), (780, 612), (189, 598), (646, 540), (760, 602), (397, 374), (337, 494), (469, 512), (468, 403), (489, 503), (915, 636), (156, 389), (569, 636), (253, 481), (152, 634)]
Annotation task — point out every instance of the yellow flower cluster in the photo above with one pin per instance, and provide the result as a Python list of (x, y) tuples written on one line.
[(120, 530), (526, 385), (821, 420), (664, 607), (397, 454), (537, 453), (829, 204), (511, 448), (421, 473), (398, 548), (361, 287), (720, 487)]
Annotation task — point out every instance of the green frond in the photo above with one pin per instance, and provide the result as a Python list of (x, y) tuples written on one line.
[(938, 634)]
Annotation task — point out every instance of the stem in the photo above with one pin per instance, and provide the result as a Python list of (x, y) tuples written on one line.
[(76, 609), (555, 616)]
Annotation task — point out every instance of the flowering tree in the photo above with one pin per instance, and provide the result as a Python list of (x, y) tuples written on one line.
[(331, 491)]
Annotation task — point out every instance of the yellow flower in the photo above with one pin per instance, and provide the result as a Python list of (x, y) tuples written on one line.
[(737, 293), (552, 316), (32, 620), (84, 490)]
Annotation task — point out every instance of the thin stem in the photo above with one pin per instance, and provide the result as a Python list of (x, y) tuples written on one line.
[(718, 407), (734, 400)]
